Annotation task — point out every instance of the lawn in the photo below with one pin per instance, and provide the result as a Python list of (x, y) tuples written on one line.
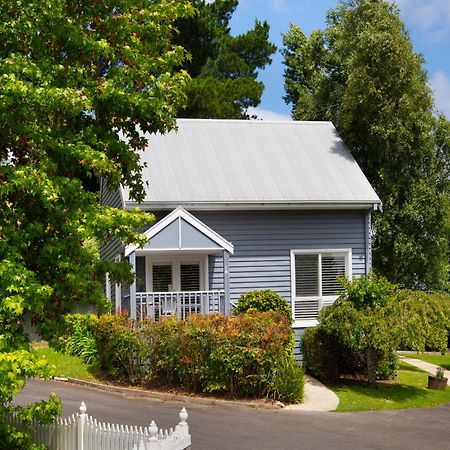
[(438, 360), (68, 366), (409, 390)]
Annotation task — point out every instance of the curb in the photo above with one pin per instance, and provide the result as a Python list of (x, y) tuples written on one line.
[(165, 397)]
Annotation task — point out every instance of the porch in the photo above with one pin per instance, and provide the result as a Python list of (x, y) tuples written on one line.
[(172, 276), (155, 305)]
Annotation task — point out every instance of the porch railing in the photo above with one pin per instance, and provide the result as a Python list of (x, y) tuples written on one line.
[(155, 305)]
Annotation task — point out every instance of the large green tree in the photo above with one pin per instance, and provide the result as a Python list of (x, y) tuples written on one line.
[(75, 75), (362, 74), (224, 68)]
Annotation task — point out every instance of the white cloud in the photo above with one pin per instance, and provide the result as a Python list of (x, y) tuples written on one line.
[(441, 88), (265, 114), (432, 17), (280, 6)]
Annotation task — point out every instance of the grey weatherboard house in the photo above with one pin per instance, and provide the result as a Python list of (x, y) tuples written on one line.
[(244, 205)]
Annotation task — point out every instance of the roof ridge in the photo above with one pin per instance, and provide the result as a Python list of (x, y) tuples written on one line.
[(258, 122)]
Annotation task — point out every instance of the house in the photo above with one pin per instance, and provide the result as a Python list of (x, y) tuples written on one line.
[(244, 205)]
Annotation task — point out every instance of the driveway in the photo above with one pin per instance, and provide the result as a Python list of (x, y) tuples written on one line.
[(236, 427)]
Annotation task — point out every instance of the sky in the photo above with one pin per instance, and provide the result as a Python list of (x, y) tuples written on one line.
[(427, 21)]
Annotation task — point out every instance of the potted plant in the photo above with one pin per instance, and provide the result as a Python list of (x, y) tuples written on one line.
[(438, 382)]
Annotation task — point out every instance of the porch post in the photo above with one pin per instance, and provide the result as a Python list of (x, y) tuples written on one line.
[(226, 281), (133, 286), (368, 241)]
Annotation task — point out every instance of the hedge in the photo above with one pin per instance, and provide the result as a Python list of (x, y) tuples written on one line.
[(248, 355)]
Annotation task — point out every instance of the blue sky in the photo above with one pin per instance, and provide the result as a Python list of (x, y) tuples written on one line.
[(428, 22)]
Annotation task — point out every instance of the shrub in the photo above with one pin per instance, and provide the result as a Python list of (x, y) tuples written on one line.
[(367, 318), (241, 356), (287, 382), (82, 343), (320, 354), (264, 300), (121, 352), (327, 359), (429, 311), (59, 335)]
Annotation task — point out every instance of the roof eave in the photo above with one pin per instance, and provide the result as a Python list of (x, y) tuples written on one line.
[(269, 205)]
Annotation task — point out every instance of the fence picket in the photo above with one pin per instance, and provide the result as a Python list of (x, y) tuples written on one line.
[(83, 432)]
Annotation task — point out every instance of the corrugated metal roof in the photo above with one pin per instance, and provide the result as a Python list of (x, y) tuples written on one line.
[(252, 162)]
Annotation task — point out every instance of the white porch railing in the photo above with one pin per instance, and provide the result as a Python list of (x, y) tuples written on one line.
[(82, 432), (155, 305)]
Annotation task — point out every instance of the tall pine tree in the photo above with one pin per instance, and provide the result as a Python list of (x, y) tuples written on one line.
[(224, 68)]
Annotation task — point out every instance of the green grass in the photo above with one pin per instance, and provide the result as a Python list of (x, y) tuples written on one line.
[(68, 366), (438, 360), (409, 390)]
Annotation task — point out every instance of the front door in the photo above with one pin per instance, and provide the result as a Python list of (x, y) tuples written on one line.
[(175, 275)]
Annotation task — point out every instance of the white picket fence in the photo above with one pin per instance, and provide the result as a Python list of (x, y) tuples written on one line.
[(82, 432)]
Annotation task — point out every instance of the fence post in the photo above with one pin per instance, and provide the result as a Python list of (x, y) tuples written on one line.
[(80, 426), (182, 427)]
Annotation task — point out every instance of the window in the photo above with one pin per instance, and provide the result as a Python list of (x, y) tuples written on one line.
[(315, 279)]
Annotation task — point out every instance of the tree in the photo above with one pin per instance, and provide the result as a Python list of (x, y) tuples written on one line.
[(74, 77), (362, 74), (223, 67), (374, 317)]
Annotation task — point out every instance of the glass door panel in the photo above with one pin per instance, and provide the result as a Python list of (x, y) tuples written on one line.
[(162, 277), (190, 277)]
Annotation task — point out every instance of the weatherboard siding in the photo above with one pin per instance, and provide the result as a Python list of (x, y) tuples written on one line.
[(114, 247), (263, 242)]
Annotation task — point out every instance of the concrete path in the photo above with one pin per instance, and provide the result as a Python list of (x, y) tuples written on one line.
[(428, 367), (317, 398)]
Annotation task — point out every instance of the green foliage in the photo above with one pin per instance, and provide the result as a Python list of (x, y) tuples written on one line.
[(83, 343), (120, 352), (288, 382), (223, 67), (58, 333), (440, 371), (372, 318), (365, 316), (75, 76), (15, 367), (370, 291), (327, 359), (263, 300), (321, 354), (20, 290), (242, 356), (73, 334), (428, 316), (362, 74)]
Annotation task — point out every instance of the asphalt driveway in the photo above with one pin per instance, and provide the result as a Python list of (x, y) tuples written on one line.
[(235, 427)]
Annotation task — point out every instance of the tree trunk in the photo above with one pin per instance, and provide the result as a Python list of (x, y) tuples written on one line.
[(371, 365)]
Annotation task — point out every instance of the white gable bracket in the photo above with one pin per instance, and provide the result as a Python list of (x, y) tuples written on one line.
[(176, 215)]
